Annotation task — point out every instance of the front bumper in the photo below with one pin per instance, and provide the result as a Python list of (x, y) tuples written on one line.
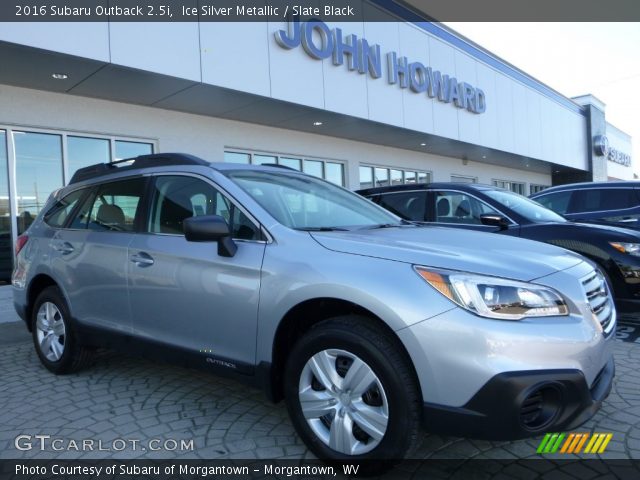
[(522, 404)]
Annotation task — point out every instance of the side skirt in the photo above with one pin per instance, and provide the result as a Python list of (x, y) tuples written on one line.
[(252, 375)]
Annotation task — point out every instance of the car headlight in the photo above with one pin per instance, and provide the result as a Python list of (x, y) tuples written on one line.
[(493, 297), (630, 248)]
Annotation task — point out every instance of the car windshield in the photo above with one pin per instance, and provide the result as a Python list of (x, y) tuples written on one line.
[(306, 203), (532, 211)]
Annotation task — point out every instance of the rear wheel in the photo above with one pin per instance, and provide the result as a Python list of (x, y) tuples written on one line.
[(54, 339), (351, 392)]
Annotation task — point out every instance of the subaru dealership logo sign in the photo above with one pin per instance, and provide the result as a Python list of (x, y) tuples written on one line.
[(320, 42), (604, 149)]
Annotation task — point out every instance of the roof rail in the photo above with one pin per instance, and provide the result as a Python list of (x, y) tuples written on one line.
[(141, 161)]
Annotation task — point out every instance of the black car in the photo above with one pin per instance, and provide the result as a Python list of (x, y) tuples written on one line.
[(491, 209), (616, 203)]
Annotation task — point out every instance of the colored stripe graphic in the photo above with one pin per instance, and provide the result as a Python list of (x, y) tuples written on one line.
[(597, 443), (550, 443), (582, 442), (543, 443), (574, 443)]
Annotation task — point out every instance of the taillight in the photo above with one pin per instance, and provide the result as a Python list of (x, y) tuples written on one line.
[(21, 241)]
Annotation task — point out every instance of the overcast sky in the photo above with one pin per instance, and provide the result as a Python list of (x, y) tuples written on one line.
[(575, 59)]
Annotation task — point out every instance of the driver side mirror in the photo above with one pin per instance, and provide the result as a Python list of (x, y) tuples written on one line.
[(494, 220), (210, 228)]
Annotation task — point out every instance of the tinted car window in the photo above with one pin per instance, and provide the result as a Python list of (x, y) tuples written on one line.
[(177, 198), (58, 214), (116, 206), (558, 202), (458, 207), (81, 217), (408, 205), (597, 199), (529, 209)]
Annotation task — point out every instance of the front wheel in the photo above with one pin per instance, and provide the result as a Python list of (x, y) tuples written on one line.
[(351, 392)]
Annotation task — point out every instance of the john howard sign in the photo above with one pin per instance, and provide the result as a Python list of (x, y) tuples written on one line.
[(321, 42)]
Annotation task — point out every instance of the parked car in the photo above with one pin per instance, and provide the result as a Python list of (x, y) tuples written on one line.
[(365, 324), (616, 203), (6, 256), (492, 209)]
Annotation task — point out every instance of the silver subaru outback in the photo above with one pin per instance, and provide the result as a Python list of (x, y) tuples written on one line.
[(366, 325)]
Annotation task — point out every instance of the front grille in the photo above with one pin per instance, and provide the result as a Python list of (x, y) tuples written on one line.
[(600, 301)]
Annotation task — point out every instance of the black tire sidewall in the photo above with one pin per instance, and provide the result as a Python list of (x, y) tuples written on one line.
[(394, 444), (53, 295)]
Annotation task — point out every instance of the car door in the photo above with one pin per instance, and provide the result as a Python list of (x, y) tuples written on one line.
[(618, 205), (185, 294), (454, 208), (89, 255)]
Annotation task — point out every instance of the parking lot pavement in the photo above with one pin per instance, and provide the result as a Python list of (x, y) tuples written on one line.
[(7, 312), (127, 398)]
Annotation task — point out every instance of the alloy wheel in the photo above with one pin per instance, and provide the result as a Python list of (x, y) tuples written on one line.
[(50, 330)]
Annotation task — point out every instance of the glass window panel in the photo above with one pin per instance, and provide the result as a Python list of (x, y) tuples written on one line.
[(381, 177), (423, 177), (132, 149), (366, 177), (295, 163), (6, 252), (407, 205), (410, 177), (80, 220), (236, 157), (334, 173), (116, 206), (57, 215), (396, 177), (461, 179), (84, 151), (517, 188), (38, 172), (460, 208), (536, 188), (593, 200), (262, 159), (177, 198), (313, 167)]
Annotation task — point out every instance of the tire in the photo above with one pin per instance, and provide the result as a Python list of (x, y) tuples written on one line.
[(383, 384), (53, 336)]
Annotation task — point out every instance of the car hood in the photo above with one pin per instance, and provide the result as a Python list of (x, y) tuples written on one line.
[(454, 249)]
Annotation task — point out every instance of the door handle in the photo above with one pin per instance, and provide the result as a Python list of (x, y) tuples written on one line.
[(64, 248), (142, 259), (628, 220)]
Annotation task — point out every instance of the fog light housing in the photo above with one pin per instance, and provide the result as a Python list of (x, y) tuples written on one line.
[(541, 407)]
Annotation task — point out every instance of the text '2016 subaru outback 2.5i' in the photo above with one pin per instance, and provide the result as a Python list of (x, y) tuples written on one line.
[(367, 326)]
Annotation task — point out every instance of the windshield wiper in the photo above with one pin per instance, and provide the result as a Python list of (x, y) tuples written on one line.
[(390, 225), (322, 229)]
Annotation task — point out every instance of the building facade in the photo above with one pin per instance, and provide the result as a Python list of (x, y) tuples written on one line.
[(356, 103)]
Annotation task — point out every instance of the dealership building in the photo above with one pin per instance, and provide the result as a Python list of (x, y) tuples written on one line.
[(358, 103)]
